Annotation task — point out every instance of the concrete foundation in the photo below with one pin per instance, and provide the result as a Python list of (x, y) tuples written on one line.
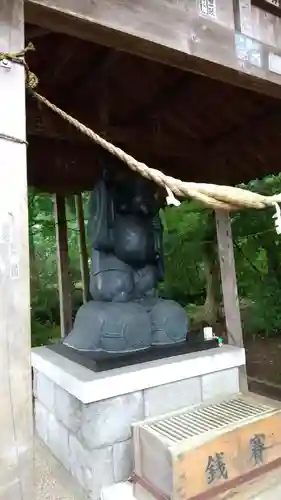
[(85, 418)]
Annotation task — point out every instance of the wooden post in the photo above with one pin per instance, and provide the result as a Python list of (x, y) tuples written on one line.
[(229, 286), (64, 281), (82, 247), (16, 422)]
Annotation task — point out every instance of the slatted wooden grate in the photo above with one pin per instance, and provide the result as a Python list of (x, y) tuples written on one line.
[(206, 448)]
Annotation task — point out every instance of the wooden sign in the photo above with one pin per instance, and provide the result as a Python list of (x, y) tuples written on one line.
[(208, 8), (270, 6), (227, 457)]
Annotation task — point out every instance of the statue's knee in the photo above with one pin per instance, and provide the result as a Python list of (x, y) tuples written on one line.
[(169, 322), (145, 281), (111, 280)]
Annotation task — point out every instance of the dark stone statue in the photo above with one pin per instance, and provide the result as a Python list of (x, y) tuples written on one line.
[(126, 237)]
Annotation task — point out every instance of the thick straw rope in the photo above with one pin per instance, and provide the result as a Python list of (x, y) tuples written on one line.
[(214, 196)]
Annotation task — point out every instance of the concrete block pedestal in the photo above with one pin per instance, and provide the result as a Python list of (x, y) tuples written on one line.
[(85, 418)]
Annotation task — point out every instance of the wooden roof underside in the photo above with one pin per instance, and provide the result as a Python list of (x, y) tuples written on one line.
[(186, 125)]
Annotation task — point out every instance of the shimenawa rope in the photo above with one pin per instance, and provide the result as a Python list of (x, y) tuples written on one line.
[(11, 138), (214, 196)]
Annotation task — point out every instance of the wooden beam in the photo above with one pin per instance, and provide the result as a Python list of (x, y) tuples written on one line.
[(45, 123), (250, 136), (16, 420), (259, 120), (102, 89), (102, 69), (162, 100), (64, 281), (36, 32), (59, 168), (176, 33), (229, 286), (82, 247), (268, 6), (228, 279), (65, 56)]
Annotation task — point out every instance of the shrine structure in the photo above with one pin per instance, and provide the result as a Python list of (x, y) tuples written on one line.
[(190, 89)]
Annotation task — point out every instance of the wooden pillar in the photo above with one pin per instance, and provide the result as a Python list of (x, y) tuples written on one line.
[(64, 280), (229, 286), (82, 247), (16, 425)]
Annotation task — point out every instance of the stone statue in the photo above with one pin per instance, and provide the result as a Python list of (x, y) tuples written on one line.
[(126, 237)]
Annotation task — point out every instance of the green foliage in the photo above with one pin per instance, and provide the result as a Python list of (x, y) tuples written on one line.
[(264, 315), (187, 229), (44, 334)]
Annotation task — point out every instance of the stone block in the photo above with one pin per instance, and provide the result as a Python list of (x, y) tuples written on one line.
[(93, 469), (123, 461), (58, 441), (220, 384), (122, 491), (45, 391), (67, 409), (107, 422), (52, 433), (41, 421), (172, 397)]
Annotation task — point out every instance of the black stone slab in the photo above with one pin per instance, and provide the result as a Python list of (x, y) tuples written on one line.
[(100, 362)]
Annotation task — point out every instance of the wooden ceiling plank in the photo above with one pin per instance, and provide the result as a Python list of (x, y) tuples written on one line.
[(32, 32), (75, 169), (92, 71), (164, 98), (174, 33), (46, 124), (64, 56), (247, 130)]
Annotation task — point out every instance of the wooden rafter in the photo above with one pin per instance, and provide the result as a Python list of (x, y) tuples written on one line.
[(182, 123), (32, 32), (155, 104), (64, 58), (46, 124), (85, 70), (259, 122), (268, 6)]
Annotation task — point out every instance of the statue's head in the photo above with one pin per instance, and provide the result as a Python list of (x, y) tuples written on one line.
[(132, 192)]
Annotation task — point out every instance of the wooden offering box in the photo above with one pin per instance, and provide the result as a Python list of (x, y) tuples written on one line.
[(206, 450)]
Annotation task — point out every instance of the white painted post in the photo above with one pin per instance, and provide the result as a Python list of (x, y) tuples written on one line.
[(16, 426)]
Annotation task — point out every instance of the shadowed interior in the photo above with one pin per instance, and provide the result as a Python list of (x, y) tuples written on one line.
[(187, 125)]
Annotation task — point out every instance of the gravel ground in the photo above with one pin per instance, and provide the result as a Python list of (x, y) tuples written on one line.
[(53, 482)]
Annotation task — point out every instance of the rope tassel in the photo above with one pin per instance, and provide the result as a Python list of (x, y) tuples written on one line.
[(170, 199), (277, 217)]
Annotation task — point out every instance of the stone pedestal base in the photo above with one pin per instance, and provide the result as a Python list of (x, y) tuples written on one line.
[(85, 418)]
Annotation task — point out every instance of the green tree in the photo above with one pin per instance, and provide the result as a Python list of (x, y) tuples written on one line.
[(191, 262)]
